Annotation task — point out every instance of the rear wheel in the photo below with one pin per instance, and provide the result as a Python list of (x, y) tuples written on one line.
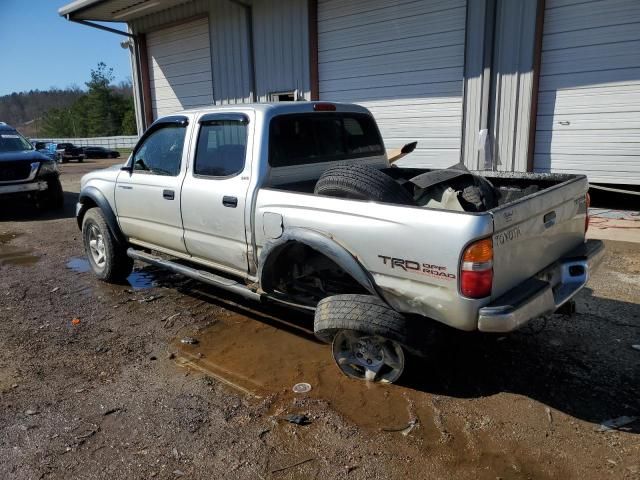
[(368, 337), (368, 357), (108, 259)]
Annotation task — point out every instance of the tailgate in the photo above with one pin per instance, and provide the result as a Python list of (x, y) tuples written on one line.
[(534, 232)]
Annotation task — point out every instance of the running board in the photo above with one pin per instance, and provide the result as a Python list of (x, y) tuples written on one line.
[(200, 275)]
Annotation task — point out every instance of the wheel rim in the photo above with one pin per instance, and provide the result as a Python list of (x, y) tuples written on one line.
[(368, 357), (97, 247)]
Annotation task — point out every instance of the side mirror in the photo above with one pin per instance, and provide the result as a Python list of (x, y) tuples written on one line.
[(127, 168)]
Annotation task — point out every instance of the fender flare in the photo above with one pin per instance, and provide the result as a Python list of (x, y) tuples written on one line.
[(92, 195), (320, 243)]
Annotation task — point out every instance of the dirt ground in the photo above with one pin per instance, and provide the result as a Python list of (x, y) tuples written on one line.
[(116, 394)]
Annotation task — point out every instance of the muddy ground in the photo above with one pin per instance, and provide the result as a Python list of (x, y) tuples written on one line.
[(115, 394)]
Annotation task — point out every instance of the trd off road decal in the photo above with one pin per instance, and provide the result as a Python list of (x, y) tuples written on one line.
[(412, 266)]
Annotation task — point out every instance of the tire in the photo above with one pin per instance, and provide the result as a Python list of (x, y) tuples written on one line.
[(367, 336), (361, 182), (363, 313), (116, 265), (55, 194)]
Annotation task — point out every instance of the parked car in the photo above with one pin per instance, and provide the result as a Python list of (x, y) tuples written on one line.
[(100, 152), (48, 149), (69, 151), (27, 173), (304, 208)]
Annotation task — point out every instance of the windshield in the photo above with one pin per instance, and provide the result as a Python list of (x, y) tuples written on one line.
[(13, 142)]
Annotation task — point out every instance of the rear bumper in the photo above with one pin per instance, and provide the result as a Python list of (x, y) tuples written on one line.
[(544, 294), (23, 188)]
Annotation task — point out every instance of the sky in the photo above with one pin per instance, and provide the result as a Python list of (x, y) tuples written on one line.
[(40, 49)]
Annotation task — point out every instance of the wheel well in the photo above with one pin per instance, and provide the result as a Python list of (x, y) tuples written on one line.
[(301, 272), (87, 203)]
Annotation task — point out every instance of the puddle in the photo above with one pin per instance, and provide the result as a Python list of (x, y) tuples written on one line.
[(79, 265), (259, 359), (141, 280), (12, 255), (138, 280)]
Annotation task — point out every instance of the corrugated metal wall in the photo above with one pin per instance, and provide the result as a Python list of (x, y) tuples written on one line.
[(180, 67), (589, 97), (404, 60), (511, 83), (281, 45)]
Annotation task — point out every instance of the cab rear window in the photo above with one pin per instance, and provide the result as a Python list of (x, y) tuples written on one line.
[(299, 139)]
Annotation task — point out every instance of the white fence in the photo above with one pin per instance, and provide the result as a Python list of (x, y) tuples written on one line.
[(108, 142)]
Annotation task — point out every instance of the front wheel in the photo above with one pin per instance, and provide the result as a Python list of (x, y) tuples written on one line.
[(108, 259)]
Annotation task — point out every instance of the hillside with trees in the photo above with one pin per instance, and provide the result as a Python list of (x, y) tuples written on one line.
[(103, 109)]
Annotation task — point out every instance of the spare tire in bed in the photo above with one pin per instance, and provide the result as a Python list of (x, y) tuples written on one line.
[(361, 182)]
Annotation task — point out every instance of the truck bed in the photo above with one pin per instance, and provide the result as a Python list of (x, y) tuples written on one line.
[(538, 219)]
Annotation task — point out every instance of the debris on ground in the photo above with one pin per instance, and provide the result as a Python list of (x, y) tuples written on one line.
[(189, 341), (549, 417), (616, 423), (297, 419), (54, 290), (150, 298), (31, 412), (75, 321), (301, 388), (111, 411), (282, 469)]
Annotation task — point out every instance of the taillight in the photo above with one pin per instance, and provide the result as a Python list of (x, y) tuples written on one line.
[(476, 271), (586, 218)]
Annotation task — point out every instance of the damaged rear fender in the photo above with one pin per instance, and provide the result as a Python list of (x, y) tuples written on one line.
[(269, 257)]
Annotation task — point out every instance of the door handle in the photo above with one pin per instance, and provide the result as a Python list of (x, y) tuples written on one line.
[(168, 194), (126, 187), (549, 219), (231, 202)]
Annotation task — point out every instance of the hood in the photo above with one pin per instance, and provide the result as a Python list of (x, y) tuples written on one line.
[(26, 155)]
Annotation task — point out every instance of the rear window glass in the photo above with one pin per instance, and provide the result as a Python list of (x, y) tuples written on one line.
[(299, 139)]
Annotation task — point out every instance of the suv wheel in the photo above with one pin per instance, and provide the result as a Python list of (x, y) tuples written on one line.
[(55, 194), (108, 259)]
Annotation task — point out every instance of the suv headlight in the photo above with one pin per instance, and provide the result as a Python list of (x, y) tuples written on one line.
[(47, 168)]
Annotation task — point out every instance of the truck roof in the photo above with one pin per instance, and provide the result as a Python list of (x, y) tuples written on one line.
[(277, 107)]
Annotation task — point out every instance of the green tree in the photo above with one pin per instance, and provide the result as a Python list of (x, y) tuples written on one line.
[(104, 110)]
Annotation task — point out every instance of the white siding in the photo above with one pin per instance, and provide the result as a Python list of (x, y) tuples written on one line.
[(180, 67), (589, 100), (404, 61), (281, 47)]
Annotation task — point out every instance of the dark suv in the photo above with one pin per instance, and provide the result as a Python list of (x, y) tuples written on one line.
[(25, 172)]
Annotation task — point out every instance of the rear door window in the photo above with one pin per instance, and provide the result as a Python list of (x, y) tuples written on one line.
[(299, 139), (222, 146)]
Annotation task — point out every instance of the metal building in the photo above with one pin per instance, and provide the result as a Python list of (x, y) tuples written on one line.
[(538, 85)]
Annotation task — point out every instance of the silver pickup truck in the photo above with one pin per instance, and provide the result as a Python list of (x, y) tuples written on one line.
[(266, 201)]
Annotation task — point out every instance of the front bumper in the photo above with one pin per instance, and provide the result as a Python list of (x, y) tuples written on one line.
[(543, 294), (23, 188)]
